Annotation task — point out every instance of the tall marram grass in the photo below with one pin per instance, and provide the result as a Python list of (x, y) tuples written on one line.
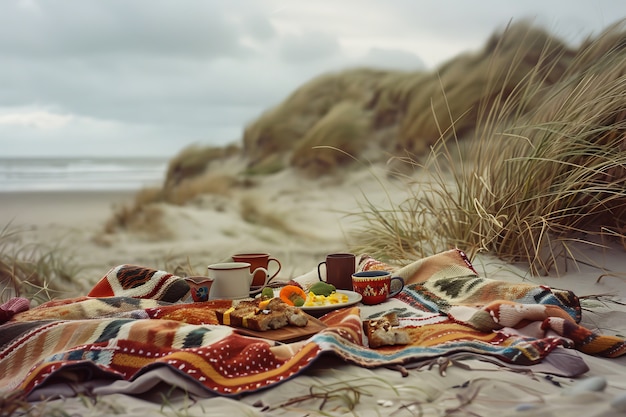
[(35, 271), (546, 168)]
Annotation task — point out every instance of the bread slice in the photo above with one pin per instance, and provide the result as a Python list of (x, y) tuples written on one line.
[(275, 315), (382, 331)]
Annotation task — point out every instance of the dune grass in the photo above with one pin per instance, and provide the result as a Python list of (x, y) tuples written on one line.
[(538, 176), (34, 271), (284, 127), (396, 110)]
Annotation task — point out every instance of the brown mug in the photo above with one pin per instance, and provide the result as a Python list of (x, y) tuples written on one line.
[(339, 270), (258, 260)]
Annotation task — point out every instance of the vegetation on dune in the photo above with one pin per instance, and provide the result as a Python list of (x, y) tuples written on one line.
[(522, 144), (193, 161), (344, 127), (404, 112), (545, 169), (302, 116)]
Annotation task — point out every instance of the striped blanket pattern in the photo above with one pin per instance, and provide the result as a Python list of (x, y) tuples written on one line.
[(130, 324)]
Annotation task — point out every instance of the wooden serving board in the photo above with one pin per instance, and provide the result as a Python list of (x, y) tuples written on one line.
[(287, 334)]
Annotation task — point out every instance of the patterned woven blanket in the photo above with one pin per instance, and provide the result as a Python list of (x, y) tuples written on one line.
[(132, 325)]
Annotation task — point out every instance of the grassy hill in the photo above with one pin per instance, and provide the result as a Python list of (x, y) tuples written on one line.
[(406, 112), (523, 144)]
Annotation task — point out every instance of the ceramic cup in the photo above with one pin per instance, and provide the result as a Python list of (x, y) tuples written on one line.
[(233, 279), (199, 287), (339, 270), (375, 286), (258, 260)]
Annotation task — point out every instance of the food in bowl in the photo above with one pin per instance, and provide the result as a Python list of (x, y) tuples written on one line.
[(313, 300)]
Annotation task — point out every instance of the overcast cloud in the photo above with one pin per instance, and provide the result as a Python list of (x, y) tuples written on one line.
[(149, 77)]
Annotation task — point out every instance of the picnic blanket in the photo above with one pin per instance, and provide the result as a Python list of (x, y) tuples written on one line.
[(132, 330)]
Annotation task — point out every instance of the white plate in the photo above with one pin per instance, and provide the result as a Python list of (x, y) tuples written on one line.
[(353, 298)]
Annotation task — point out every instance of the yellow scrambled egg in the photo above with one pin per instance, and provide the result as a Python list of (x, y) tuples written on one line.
[(313, 300)]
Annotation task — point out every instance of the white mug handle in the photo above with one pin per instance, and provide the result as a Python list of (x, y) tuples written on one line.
[(267, 277)]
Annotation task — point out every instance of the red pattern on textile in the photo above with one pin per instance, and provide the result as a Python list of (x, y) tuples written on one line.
[(126, 337), (12, 307)]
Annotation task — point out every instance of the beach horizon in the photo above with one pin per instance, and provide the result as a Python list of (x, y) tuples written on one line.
[(80, 173)]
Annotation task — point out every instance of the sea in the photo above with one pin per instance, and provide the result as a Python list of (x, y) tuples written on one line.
[(80, 173)]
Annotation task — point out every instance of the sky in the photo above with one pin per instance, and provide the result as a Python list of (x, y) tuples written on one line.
[(151, 77)]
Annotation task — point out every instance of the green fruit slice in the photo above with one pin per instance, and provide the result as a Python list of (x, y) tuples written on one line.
[(267, 293)]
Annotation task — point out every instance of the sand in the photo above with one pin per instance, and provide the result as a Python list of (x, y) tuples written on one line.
[(315, 220), (60, 208), (312, 218)]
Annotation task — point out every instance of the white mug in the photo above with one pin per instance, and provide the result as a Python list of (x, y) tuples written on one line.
[(233, 280)]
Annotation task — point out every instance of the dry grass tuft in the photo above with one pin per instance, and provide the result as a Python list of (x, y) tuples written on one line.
[(546, 169), (449, 103), (35, 271), (124, 215), (193, 161)]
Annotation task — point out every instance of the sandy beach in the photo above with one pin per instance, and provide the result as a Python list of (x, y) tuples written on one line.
[(65, 221), (316, 221), (62, 208), (311, 218)]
